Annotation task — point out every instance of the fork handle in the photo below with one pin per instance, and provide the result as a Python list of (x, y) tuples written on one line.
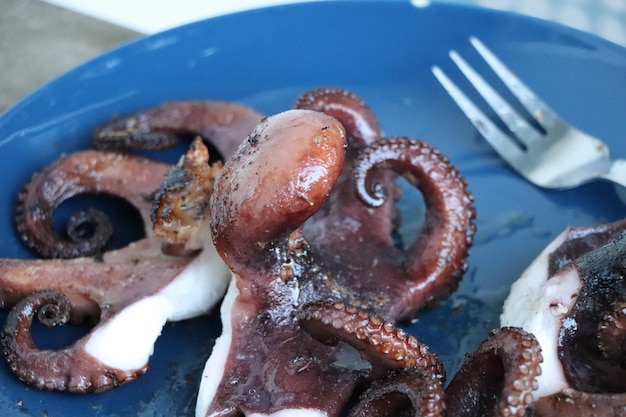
[(617, 175)]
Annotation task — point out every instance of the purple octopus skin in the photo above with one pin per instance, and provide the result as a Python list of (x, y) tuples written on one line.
[(308, 259), (130, 292), (268, 360), (223, 124), (572, 298), (86, 172), (431, 266), (498, 379)]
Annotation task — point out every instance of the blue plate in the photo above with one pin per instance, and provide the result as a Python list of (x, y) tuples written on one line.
[(383, 51)]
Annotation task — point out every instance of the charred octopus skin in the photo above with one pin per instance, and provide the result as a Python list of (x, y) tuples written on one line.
[(572, 297), (129, 292), (362, 208)]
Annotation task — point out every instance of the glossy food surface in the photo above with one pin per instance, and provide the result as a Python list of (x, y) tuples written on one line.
[(383, 51)]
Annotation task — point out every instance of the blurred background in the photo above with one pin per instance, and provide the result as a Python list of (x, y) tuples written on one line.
[(40, 40)]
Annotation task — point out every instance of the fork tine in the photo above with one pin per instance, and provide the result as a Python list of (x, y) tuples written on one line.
[(496, 137), (523, 130), (537, 108)]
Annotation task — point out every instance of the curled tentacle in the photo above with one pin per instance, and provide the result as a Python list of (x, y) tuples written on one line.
[(571, 297), (438, 257), (406, 375), (89, 229), (352, 111), (498, 379), (69, 368), (130, 294), (408, 392), (223, 124), (131, 178), (434, 263), (383, 344)]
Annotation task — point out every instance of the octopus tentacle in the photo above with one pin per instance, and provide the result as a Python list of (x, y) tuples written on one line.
[(407, 392), (402, 368), (438, 257), (352, 111), (223, 124), (135, 288), (70, 368), (80, 173), (434, 263), (383, 344), (129, 293), (89, 229), (310, 146), (508, 363), (257, 209)]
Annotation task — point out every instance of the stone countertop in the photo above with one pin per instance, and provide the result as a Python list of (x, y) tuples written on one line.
[(39, 41)]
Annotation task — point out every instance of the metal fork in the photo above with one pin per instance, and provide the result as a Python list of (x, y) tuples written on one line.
[(561, 157)]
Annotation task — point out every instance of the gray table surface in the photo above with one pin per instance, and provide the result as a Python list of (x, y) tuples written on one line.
[(39, 41)]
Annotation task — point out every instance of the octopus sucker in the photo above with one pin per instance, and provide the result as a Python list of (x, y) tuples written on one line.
[(572, 298), (381, 343), (131, 178), (129, 293), (499, 378), (224, 124)]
